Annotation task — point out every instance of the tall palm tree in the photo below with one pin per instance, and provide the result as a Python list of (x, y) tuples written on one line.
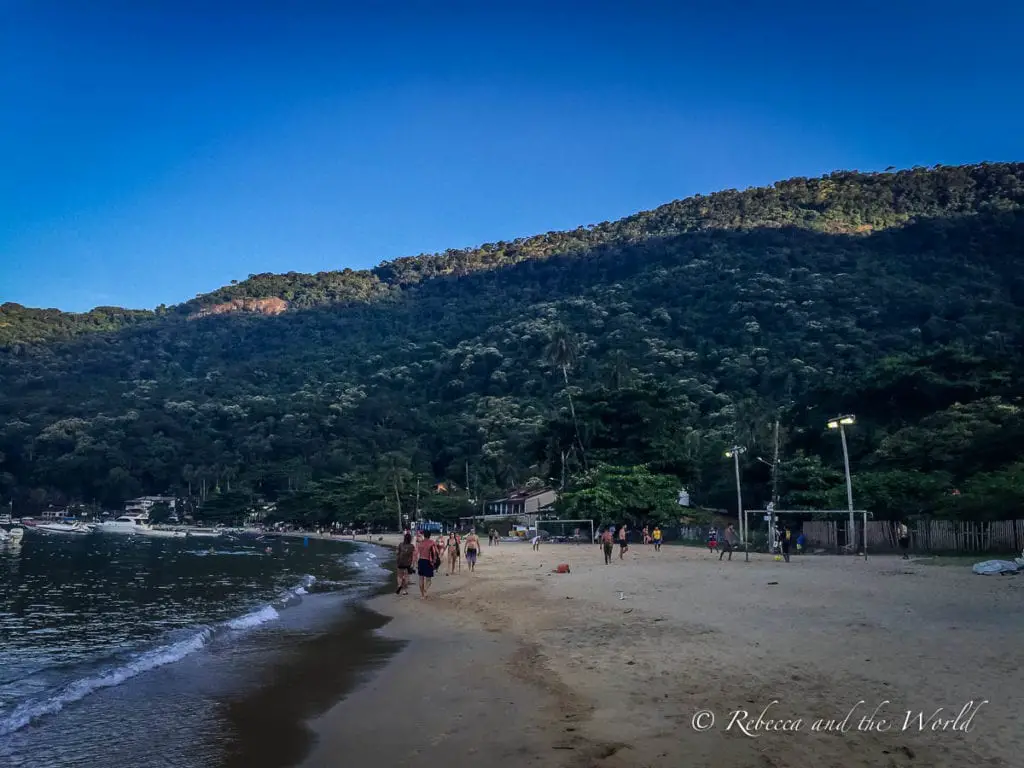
[(563, 352)]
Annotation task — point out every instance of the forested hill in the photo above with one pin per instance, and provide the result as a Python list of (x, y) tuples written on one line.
[(670, 334), (843, 202)]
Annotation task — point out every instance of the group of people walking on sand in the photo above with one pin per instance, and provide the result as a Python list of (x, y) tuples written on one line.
[(424, 556)]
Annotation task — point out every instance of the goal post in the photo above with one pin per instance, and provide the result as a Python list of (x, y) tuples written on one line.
[(559, 527), (770, 518)]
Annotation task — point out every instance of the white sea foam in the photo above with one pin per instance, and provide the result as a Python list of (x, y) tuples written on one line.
[(254, 619), (31, 710)]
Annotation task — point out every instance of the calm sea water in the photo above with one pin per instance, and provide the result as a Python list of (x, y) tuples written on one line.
[(119, 650)]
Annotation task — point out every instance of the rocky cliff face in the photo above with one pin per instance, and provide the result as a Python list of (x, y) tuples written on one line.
[(272, 306)]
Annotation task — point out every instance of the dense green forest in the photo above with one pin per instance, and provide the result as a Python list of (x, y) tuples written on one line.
[(617, 361)]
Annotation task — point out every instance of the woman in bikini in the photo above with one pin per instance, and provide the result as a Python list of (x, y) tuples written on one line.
[(454, 554), (406, 553)]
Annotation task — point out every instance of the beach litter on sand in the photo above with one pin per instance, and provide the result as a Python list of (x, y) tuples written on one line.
[(990, 567)]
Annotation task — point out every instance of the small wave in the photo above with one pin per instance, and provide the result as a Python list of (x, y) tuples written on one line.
[(254, 619), (79, 689)]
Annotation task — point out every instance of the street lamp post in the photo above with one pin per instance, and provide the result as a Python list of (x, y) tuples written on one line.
[(840, 422), (734, 454)]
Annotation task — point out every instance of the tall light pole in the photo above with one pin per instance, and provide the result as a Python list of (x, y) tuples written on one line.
[(734, 454), (840, 422)]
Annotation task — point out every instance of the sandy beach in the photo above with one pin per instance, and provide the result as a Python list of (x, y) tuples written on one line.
[(652, 661)]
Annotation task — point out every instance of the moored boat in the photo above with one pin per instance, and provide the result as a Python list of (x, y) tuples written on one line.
[(77, 529), (203, 533)]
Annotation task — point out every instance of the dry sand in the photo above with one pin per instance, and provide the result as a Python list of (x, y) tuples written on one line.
[(609, 665)]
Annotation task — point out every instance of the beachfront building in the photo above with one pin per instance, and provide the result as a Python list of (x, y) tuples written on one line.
[(523, 503), (144, 504)]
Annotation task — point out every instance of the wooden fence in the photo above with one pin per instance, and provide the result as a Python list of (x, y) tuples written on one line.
[(925, 535)]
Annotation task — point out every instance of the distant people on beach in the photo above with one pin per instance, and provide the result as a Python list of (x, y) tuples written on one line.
[(472, 549), (656, 535), (406, 554), (903, 535), (647, 536), (623, 541), (536, 542), (730, 542), (427, 553), (607, 543), (712, 540), (785, 538)]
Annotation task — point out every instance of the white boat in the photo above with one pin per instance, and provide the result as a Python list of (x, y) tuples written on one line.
[(77, 529), (159, 533), (203, 533), (123, 524)]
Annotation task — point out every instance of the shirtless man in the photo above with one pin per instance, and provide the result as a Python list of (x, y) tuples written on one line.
[(472, 549), (426, 551), (607, 543)]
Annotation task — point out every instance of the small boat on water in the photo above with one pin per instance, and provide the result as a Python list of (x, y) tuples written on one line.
[(203, 533), (123, 524), (137, 525), (160, 533), (77, 529)]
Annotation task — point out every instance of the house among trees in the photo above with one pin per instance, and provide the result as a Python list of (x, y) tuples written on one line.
[(524, 502), (145, 504)]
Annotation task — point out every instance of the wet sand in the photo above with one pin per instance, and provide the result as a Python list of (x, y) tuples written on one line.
[(609, 666), (312, 669)]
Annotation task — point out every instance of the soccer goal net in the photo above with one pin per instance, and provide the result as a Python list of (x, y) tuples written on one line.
[(571, 531)]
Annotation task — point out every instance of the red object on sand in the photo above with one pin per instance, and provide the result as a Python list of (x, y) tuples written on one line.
[(562, 568)]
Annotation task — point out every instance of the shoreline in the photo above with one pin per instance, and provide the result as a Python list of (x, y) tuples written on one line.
[(310, 671), (608, 665)]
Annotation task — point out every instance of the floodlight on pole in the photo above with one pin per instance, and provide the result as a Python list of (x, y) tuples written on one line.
[(734, 454), (839, 422)]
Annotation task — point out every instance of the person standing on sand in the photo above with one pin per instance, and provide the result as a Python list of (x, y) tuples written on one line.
[(472, 549), (536, 542), (647, 536), (903, 534), (623, 541), (454, 556), (426, 551), (607, 543), (785, 538), (406, 553), (712, 540), (657, 538), (730, 543)]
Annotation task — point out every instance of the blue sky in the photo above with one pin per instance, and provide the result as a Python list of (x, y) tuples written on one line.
[(153, 150)]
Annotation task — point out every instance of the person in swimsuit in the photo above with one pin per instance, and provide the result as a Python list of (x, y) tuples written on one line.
[(472, 548), (426, 551), (454, 556), (607, 543), (442, 552), (406, 553), (623, 541)]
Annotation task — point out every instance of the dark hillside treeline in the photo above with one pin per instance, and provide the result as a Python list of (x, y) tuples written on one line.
[(656, 340)]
